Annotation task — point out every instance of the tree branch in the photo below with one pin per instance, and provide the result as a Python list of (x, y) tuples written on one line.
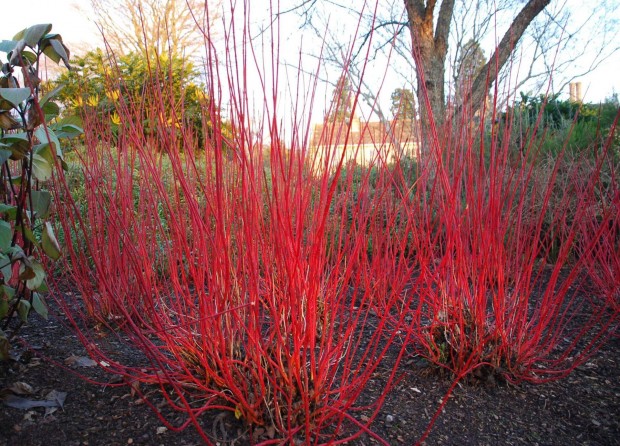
[(401, 26), (489, 73), (442, 31)]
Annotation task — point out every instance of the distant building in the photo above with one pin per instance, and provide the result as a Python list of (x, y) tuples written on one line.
[(574, 89), (365, 143)]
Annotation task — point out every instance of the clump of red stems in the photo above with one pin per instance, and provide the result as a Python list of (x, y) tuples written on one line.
[(226, 268), (489, 306), (599, 234)]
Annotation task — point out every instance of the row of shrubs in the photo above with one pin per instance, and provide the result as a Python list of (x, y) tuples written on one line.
[(257, 284), (254, 282)]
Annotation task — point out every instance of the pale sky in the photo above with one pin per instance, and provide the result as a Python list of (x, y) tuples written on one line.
[(74, 26), (80, 34)]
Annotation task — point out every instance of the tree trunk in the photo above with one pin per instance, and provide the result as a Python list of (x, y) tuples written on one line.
[(430, 46)]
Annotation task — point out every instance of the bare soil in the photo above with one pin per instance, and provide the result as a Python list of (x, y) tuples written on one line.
[(583, 409)]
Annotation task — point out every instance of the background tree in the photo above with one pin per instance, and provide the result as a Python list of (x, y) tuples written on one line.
[(403, 104), (552, 43), (150, 27), (429, 35), (403, 111), (93, 86), (470, 63), (341, 108)]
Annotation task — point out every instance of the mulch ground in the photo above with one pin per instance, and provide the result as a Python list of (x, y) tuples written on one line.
[(582, 409)]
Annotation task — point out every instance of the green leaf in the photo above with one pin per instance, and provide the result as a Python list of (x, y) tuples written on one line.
[(51, 110), (29, 56), (4, 155), (39, 276), (72, 120), (28, 234), (67, 130), (33, 34), (6, 268), (17, 253), (15, 95), (57, 51), (49, 243), (41, 203), (6, 236), (42, 136), (39, 305), (46, 137), (9, 211), (23, 308), (15, 56), (19, 150), (18, 144), (4, 308), (11, 137), (41, 168), (51, 94), (6, 46), (7, 291), (42, 162), (50, 51)]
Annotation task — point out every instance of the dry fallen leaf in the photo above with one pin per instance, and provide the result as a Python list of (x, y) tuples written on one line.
[(21, 388), (116, 379), (17, 402), (80, 361), (34, 362), (259, 431), (135, 388), (58, 397), (52, 399)]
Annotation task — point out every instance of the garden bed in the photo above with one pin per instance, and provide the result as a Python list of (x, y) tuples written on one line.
[(581, 409)]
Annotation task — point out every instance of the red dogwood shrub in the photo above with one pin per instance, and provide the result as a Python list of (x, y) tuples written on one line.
[(221, 262)]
